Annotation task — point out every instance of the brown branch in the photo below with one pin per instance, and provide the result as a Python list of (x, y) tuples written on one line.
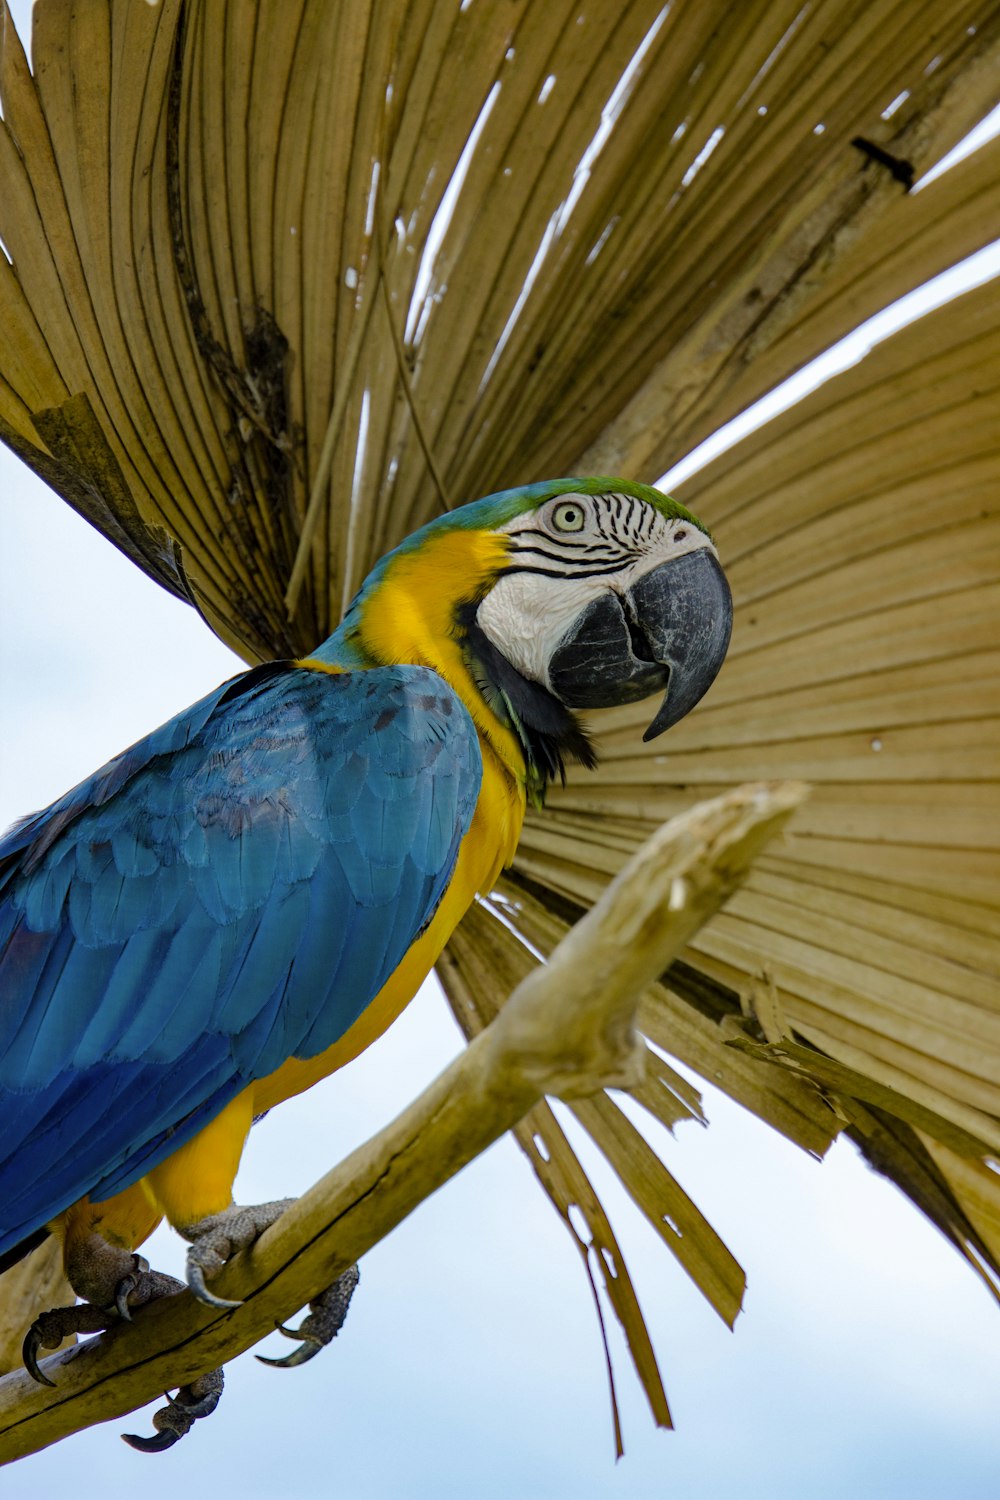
[(568, 1030)]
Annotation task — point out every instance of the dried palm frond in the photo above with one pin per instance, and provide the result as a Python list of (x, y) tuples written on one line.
[(283, 278)]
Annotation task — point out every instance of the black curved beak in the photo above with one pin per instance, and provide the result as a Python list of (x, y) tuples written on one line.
[(671, 630)]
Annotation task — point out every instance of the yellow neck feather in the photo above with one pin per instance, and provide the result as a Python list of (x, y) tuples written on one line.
[(410, 617)]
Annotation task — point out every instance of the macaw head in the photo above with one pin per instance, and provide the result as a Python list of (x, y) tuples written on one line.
[(566, 595)]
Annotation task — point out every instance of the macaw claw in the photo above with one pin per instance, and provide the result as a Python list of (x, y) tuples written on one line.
[(175, 1420), (29, 1355), (196, 1285), (324, 1321), (50, 1328), (158, 1444), (307, 1350), (129, 1284), (219, 1236)]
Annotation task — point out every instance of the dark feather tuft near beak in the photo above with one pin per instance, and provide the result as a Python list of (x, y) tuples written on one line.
[(671, 630)]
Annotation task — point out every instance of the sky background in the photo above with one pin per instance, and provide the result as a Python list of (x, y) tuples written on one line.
[(866, 1362)]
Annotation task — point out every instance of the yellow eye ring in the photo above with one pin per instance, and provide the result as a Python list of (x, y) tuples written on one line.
[(568, 516)]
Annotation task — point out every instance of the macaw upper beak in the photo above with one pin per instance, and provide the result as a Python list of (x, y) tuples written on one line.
[(671, 629)]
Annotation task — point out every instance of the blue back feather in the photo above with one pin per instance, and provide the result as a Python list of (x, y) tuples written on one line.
[(230, 892)]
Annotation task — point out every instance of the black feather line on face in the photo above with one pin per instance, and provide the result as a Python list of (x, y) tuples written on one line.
[(549, 731)]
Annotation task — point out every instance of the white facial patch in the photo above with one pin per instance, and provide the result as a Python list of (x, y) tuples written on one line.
[(564, 555)]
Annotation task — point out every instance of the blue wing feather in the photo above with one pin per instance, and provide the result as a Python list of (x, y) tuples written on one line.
[(230, 892)]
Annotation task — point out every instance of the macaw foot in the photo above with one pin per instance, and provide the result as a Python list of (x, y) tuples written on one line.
[(325, 1320), (173, 1421), (111, 1281), (215, 1239)]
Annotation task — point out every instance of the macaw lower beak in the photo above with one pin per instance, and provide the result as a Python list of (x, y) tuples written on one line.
[(670, 630)]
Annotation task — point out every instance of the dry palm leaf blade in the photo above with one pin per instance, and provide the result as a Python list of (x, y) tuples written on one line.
[(220, 219), (283, 280)]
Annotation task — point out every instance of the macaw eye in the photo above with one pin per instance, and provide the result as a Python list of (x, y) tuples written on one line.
[(568, 516)]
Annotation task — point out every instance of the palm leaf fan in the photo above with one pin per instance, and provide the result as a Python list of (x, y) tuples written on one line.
[(284, 278)]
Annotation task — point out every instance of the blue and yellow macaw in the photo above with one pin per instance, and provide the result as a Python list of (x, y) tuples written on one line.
[(243, 901)]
